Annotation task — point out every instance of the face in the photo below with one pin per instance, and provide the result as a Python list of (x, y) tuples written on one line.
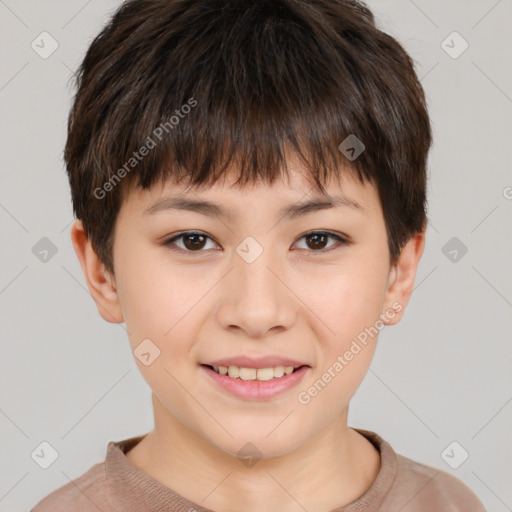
[(255, 281)]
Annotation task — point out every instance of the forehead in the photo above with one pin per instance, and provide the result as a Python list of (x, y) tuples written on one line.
[(290, 195)]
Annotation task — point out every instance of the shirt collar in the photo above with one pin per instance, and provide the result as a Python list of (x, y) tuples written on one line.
[(134, 489)]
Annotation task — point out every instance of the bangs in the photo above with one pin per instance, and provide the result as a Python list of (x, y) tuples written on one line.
[(266, 83), (184, 90)]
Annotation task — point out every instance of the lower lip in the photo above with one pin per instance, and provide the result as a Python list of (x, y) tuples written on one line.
[(256, 389)]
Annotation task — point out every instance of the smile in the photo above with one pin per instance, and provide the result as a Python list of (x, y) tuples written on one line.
[(261, 374), (254, 383)]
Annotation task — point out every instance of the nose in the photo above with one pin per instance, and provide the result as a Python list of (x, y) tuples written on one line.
[(256, 298)]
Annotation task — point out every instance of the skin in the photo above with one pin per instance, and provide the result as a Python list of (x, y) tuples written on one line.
[(293, 301)]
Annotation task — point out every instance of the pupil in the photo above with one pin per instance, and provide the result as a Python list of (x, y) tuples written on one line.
[(315, 237), (194, 245)]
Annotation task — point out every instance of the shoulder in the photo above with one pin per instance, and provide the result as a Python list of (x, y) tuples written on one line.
[(419, 487), (87, 493)]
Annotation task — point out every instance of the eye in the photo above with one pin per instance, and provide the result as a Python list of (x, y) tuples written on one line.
[(316, 240), (192, 241)]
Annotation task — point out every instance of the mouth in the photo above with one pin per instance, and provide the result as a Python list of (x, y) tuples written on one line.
[(254, 384), (259, 374), (255, 376)]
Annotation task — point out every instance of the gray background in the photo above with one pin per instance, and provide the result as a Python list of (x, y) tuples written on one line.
[(442, 375)]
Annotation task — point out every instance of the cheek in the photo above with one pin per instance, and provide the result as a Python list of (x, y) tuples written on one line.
[(348, 299), (158, 298), (347, 302), (349, 308)]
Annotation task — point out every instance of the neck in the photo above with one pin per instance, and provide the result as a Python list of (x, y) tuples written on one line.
[(333, 469)]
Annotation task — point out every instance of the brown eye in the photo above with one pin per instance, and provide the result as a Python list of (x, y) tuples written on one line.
[(317, 241), (189, 242), (193, 242)]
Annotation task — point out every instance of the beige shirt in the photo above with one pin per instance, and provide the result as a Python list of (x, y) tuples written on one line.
[(117, 485)]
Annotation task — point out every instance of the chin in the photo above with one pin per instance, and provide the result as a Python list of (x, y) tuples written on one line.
[(260, 443)]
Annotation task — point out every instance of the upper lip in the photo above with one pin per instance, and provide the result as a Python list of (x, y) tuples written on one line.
[(256, 362)]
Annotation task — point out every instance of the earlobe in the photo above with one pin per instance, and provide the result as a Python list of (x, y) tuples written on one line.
[(401, 279), (100, 282)]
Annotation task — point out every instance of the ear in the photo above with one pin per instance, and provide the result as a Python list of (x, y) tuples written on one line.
[(100, 282), (401, 279)]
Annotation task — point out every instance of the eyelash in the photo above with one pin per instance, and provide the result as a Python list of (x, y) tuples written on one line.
[(170, 242)]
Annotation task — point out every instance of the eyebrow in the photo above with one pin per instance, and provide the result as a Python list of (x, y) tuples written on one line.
[(212, 209)]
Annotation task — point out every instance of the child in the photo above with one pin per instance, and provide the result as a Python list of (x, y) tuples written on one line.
[(249, 183)]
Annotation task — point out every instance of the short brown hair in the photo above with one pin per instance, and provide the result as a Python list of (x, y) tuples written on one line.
[(259, 77)]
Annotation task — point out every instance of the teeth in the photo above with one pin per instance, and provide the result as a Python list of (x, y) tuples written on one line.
[(247, 373), (278, 371), (234, 372), (265, 373), (261, 374)]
